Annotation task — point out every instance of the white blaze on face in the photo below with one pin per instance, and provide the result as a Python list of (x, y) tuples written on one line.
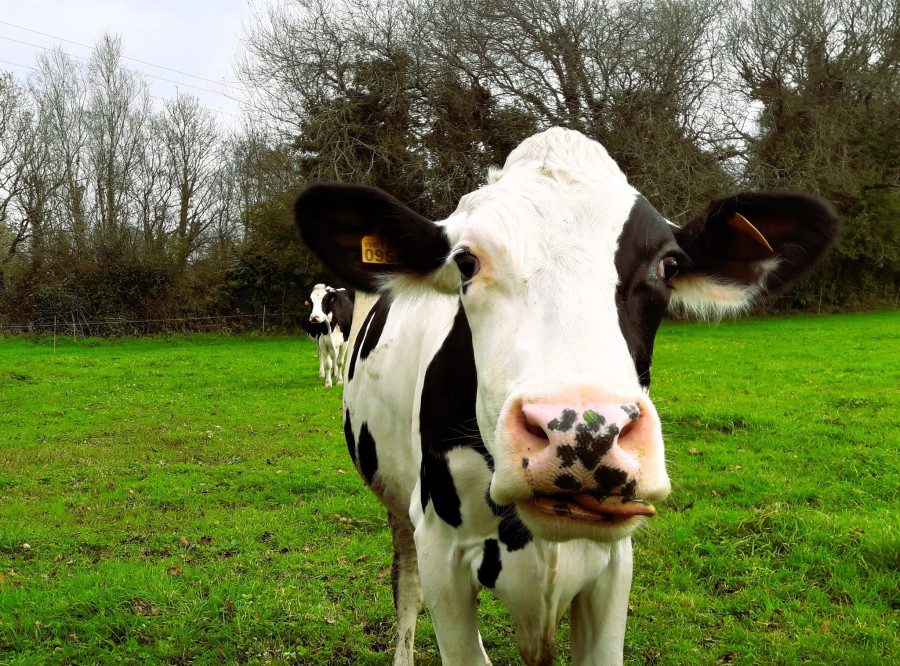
[(317, 316), (542, 307)]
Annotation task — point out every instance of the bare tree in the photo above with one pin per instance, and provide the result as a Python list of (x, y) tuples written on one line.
[(192, 165), (452, 82), (17, 150), (118, 113)]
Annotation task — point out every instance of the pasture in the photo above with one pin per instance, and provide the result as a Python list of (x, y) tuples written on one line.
[(190, 500)]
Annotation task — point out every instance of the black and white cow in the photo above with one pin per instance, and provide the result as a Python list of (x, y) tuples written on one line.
[(497, 398), (329, 324)]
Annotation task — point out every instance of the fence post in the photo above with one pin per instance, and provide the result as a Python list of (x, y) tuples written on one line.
[(54, 334), (74, 331), (264, 320)]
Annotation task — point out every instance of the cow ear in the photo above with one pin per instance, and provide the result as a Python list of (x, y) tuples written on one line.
[(367, 238), (748, 245)]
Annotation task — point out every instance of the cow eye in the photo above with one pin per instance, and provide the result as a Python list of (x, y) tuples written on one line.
[(668, 268), (467, 263)]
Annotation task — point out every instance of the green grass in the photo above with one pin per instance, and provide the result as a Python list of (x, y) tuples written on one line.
[(190, 500)]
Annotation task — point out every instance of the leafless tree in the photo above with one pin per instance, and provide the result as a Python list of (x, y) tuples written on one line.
[(118, 114), (190, 141)]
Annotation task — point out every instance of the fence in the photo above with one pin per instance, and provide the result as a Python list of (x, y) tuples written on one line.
[(75, 327)]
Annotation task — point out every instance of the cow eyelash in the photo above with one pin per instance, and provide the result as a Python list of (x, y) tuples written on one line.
[(667, 269), (468, 265)]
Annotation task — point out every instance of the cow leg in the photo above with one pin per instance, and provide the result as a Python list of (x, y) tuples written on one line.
[(599, 612), (328, 364), (338, 348), (450, 593), (535, 605), (406, 587), (322, 354), (342, 361)]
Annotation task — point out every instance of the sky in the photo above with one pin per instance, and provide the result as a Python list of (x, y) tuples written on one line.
[(200, 39)]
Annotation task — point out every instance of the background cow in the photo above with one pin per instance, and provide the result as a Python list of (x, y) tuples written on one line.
[(498, 392), (329, 323)]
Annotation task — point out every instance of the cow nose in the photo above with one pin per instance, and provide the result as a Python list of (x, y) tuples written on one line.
[(586, 447)]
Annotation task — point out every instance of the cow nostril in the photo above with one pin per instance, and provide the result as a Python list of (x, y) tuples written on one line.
[(534, 429), (623, 433)]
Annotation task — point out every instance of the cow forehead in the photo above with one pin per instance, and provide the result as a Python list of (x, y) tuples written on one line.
[(558, 192), (318, 293), (533, 215)]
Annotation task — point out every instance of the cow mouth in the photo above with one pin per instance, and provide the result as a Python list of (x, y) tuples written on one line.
[(585, 507)]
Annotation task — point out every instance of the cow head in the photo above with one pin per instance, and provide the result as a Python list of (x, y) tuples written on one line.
[(565, 272), (320, 300)]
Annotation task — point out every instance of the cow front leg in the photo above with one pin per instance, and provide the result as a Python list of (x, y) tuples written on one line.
[(328, 365), (342, 361), (338, 370), (599, 612), (322, 354), (406, 587), (450, 594)]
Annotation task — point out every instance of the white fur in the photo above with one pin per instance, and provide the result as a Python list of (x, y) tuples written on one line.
[(709, 297)]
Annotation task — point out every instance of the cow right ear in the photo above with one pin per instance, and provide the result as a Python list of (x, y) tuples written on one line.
[(367, 238)]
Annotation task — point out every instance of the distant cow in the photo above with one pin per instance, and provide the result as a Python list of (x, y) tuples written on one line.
[(329, 324), (498, 392)]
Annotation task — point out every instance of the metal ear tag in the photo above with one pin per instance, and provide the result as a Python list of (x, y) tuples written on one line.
[(741, 223), (376, 251)]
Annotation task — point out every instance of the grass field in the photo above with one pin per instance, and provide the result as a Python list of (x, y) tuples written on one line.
[(190, 500)]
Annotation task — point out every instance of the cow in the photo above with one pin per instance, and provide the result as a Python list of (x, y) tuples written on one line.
[(329, 324), (497, 397)]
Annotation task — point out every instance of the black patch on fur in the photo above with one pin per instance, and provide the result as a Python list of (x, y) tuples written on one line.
[(313, 329), (567, 482), (564, 422), (608, 478), (591, 444), (447, 418), (633, 412), (490, 563), (641, 296), (367, 455), (348, 435), (369, 333), (512, 531), (339, 304)]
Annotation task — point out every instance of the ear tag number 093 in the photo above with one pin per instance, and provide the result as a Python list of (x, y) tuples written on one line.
[(376, 251)]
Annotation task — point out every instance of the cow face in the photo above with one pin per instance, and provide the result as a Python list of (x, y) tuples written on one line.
[(564, 272), (320, 300)]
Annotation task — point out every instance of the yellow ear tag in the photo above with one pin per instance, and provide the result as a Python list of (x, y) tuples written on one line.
[(741, 223), (376, 251)]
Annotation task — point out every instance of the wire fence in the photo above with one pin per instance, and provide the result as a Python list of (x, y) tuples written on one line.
[(79, 328)]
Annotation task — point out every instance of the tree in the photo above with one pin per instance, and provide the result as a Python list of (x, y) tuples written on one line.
[(190, 142), (826, 77), (420, 97)]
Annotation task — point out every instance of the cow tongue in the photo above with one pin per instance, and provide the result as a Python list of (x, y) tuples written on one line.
[(614, 505)]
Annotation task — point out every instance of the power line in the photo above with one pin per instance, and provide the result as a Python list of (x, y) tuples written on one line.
[(15, 64), (177, 83), (92, 48), (162, 99)]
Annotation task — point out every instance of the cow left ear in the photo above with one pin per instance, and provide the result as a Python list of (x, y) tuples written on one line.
[(749, 245)]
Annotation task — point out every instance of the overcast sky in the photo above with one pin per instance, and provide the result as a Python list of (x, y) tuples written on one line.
[(199, 38)]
